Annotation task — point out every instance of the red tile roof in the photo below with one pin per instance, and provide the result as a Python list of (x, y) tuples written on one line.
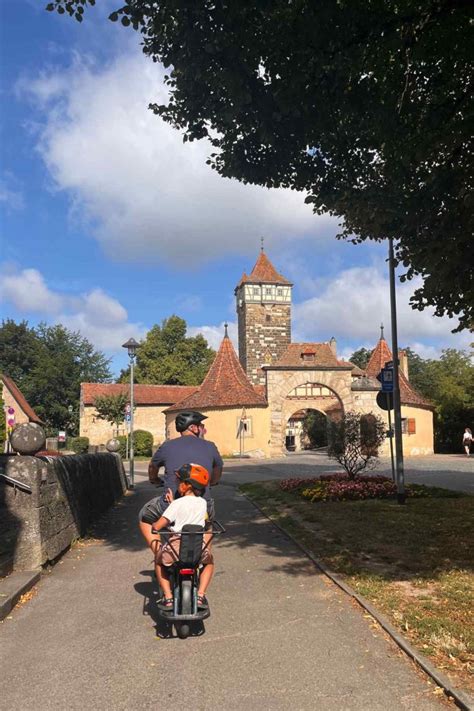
[(143, 394), (408, 395), (225, 385), (293, 356), (20, 399), (263, 271), (355, 368)]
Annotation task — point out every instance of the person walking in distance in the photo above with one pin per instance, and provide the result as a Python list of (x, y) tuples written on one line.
[(172, 455), (467, 441)]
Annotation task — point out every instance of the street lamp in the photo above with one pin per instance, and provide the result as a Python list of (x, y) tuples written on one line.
[(131, 345)]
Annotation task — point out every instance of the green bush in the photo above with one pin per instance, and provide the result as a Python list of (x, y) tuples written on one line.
[(79, 445), (123, 446), (143, 443)]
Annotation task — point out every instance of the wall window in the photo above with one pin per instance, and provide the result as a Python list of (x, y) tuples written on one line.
[(268, 318), (256, 291), (279, 292)]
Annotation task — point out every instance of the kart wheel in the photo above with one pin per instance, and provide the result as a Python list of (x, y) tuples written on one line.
[(186, 598), (182, 630)]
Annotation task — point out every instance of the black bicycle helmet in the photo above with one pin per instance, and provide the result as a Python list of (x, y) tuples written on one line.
[(185, 419)]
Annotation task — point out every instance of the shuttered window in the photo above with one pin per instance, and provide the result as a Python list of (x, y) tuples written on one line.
[(411, 425)]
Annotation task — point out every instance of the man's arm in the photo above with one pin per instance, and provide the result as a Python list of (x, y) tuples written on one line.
[(218, 466), (156, 462)]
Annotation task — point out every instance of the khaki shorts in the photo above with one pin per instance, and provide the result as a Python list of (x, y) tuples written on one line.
[(168, 553)]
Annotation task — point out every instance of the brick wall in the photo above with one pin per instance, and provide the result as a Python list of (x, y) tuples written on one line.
[(264, 335)]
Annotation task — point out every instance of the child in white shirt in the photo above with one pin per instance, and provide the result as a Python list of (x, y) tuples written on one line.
[(190, 508)]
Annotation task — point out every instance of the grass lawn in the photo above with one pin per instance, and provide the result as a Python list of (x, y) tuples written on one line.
[(414, 562)]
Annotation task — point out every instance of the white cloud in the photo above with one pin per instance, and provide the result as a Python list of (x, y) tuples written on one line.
[(28, 292), (215, 334), (148, 196), (96, 315), (10, 196), (355, 302)]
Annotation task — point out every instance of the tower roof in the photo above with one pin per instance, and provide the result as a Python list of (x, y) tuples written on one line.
[(408, 395), (225, 385), (265, 272)]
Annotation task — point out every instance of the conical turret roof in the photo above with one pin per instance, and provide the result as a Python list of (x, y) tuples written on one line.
[(264, 272), (408, 395), (225, 385)]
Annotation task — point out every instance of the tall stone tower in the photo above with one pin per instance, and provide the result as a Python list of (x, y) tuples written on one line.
[(264, 317)]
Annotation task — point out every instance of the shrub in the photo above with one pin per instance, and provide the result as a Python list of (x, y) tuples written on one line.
[(355, 440), (143, 443), (79, 445), (123, 446)]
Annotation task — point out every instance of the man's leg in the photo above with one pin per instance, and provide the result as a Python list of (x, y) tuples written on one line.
[(149, 537)]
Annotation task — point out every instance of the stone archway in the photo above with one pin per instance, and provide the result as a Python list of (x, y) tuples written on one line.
[(285, 398), (298, 438)]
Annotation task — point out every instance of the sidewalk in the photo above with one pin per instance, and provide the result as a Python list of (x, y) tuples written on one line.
[(280, 635)]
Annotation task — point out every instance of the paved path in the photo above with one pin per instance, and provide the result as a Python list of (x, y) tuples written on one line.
[(281, 636)]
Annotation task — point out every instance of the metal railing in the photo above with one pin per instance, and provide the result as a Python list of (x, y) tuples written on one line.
[(16, 484)]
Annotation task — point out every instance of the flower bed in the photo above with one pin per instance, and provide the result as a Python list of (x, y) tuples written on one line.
[(338, 487)]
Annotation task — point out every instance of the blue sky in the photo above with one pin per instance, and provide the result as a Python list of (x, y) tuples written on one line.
[(109, 223)]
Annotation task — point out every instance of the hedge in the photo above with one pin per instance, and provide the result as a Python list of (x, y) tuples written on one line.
[(79, 445)]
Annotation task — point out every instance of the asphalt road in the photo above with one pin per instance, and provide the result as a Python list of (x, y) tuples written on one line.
[(280, 636)]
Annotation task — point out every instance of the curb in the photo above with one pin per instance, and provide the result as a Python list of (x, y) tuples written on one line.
[(13, 587), (462, 700)]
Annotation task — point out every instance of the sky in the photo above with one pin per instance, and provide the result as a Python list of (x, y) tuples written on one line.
[(110, 223)]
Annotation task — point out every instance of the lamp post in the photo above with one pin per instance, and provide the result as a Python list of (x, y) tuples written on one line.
[(131, 345), (70, 410), (400, 473)]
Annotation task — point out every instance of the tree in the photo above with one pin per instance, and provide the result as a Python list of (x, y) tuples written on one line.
[(354, 441), (56, 362), (452, 391), (365, 105), (361, 357), (167, 356), (111, 408), (315, 428)]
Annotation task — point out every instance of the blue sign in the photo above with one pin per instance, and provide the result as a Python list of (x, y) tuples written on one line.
[(387, 380), (128, 417)]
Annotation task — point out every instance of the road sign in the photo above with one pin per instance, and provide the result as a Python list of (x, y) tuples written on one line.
[(11, 417), (128, 417), (61, 436), (382, 399), (387, 380)]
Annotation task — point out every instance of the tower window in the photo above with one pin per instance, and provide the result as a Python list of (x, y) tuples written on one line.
[(268, 291), (256, 290), (279, 292), (268, 318)]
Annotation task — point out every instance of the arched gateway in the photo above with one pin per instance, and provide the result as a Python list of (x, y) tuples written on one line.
[(304, 382)]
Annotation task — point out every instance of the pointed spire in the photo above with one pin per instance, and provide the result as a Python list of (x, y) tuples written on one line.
[(225, 385), (262, 239), (226, 326), (381, 332)]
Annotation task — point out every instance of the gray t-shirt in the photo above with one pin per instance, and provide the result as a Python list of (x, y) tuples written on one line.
[(187, 449)]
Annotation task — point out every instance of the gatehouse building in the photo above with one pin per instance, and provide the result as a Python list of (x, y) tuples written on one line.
[(256, 402)]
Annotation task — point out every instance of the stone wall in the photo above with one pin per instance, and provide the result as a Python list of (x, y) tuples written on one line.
[(68, 494), (147, 417)]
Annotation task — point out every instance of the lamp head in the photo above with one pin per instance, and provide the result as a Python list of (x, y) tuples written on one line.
[(131, 345)]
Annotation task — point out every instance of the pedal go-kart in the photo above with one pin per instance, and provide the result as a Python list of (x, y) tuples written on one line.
[(184, 578)]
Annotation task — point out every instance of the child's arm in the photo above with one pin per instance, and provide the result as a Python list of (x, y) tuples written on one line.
[(162, 522)]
